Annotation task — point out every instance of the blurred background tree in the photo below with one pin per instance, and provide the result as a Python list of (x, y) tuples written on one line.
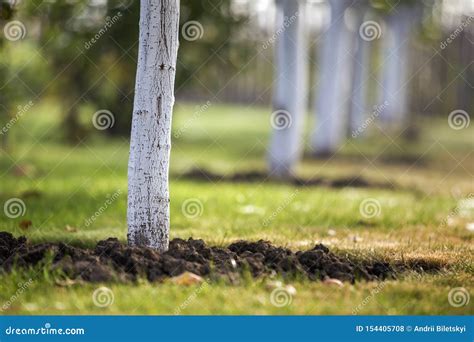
[(83, 54), (6, 14), (89, 49)]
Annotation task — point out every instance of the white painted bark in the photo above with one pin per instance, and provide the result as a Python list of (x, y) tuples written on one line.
[(332, 91), (290, 88), (360, 80), (148, 194), (395, 67)]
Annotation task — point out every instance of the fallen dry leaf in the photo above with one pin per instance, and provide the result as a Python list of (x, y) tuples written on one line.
[(186, 279), (25, 224), (70, 229), (334, 282)]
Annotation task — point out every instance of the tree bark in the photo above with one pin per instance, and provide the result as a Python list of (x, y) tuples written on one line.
[(395, 68), (331, 99), (360, 80), (148, 193), (289, 98)]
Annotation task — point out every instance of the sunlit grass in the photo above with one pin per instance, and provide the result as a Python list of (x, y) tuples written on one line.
[(64, 186)]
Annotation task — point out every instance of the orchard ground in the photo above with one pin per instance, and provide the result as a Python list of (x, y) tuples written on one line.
[(77, 195)]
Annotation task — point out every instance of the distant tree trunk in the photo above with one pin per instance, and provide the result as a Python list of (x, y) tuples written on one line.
[(3, 114), (466, 53), (4, 142), (395, 67), (361, 70), (74, 131), (148, 194), (331, 99), (289, 98)]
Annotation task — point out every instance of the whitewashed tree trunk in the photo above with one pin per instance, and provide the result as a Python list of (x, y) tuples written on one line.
[(332, 91), (290, 88), (360, 80), (395, 67), (148, 194)]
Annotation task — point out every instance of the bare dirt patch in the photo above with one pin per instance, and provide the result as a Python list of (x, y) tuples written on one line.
[(260, 177), (111, 260)]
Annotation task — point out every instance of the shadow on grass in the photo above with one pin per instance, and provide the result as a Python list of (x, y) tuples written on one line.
[(201, 175)]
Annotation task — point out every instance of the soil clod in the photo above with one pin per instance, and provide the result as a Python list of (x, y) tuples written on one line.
[(112, 260)]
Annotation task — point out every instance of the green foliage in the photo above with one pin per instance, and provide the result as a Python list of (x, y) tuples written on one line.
[(6, 94), (387, 6), (92, 48)]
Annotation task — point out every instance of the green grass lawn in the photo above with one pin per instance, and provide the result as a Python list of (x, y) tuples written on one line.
[(423, 219)]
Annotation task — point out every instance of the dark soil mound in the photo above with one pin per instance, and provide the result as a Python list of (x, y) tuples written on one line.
[(259, 177), (111, 260)]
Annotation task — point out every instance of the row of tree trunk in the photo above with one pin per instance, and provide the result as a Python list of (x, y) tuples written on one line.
[(341, 104), (340, 98)]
